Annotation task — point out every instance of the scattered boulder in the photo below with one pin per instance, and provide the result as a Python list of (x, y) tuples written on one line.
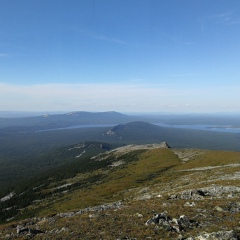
[(98, 208), (103, 207), (234, 207), (67, 214), (139, 215), (25, 230), (219, 209), (212, 191), (221, 235), (22, 229), (188, 204), (183, 222), (158, 217), (170, 224)]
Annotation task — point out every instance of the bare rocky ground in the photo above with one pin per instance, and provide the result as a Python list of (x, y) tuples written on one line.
[(196, 199)]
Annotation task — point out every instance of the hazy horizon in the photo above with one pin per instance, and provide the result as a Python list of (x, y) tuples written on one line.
[(19, 114), (127, 56)]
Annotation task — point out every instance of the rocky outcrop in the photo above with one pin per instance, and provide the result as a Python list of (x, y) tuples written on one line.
[(221, 235), (32, 226), (9, 196), (212, 191), (164, 221), (130, 148), (183, 224), (98, 208), (27, 230), (233, 207)]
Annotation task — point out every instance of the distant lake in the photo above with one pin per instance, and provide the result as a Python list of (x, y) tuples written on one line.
[(78, 126), (216, 128)]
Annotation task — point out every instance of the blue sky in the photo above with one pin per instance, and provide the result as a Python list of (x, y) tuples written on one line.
[(123, 55)]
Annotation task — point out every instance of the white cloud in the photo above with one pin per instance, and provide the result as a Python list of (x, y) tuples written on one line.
[(131, 97)]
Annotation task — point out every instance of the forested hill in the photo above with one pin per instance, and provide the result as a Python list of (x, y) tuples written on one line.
[(143, 132), (52, 121), (65, 120)]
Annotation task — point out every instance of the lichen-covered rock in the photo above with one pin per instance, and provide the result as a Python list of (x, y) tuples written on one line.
[(188, 204), (221, 235), (171, 224), (183, 222), (234, 207), (66, 214), (22, 229), (212, 191)]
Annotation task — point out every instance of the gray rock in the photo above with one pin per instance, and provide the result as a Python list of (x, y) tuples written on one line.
[(25, 230), (183, 222), (107, 206), (191, 195), (139, 215), (212, 191), (219, 209), (22, 229), (234, 207), (171, 224), (221, 235), (158, 218), (67, 214), (165, 224), (188, 204)]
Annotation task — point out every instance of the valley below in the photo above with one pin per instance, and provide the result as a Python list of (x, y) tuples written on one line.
[(130, 180)]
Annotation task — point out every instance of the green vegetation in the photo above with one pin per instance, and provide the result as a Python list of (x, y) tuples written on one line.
[(30, 153), (61, 171), (142, 179)]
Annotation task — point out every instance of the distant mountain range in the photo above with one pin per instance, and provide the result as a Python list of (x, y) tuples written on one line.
[(20, 114), (47, 121), (50, 121)]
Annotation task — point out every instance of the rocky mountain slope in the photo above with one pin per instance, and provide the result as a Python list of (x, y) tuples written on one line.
[(134, 192), (30, 153)]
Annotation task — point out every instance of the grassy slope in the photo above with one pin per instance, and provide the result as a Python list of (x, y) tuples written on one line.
[(135, 174), (145, 169), (143, 182)]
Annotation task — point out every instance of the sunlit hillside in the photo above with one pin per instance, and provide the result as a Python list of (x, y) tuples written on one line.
[(132, 192)]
